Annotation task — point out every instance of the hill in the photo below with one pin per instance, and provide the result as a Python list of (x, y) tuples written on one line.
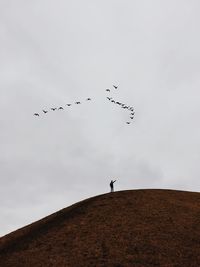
[(137, 228)]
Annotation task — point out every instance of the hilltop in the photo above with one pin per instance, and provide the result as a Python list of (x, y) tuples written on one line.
[(133, 228)]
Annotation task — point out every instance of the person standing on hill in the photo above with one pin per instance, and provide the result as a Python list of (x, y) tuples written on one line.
[(112, 185)]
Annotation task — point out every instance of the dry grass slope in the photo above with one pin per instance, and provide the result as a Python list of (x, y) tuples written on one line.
[(138, 228)]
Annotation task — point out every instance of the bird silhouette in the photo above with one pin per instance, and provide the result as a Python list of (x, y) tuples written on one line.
[(53, 109), (45, 111), (36, 114), (108, 90), (127, 122), (60, 108), (88, 99), (77, 103), (131, 118), (68, 105), (133, 113), (109, 98), (115, 86)]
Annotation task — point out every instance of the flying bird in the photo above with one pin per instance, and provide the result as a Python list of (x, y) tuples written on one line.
[(36, 114), (88, 99), (53, 109), (115, 86), (109, 98), (45, 111), (131, 118), (77, 103), (60, 108), (127, 122), (108, 90), (68, 105)]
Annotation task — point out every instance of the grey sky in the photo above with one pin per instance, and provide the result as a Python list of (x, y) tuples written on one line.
[(54, 52)]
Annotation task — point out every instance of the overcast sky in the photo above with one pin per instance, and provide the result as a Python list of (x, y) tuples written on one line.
[(58, 52)]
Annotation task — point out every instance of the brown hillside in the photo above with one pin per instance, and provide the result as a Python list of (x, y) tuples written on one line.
[(128, 228)]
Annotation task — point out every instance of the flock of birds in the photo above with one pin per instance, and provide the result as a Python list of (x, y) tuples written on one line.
[(120, 104), (59, 108)]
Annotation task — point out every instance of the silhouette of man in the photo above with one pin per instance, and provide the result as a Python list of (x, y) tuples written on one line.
[(112, 185)]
